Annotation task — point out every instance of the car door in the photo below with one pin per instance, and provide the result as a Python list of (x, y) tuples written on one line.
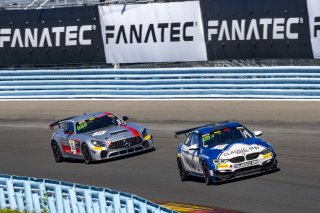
[(190, 156), (194, 153), (68, 140)]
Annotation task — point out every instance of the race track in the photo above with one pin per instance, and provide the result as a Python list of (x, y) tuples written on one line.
[(292, 127)]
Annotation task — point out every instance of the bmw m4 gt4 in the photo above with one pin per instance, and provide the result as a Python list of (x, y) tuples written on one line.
[(223, 151), (98, 136)]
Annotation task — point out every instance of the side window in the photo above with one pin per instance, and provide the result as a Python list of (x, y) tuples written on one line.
[(187, 140), (194, 139), (69, 127), (191, 139)]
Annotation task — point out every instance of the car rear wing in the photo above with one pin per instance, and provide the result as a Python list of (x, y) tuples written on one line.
[(58, 123), (194, 128)]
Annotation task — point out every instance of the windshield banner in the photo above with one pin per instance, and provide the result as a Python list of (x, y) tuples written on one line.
[(157, 32)]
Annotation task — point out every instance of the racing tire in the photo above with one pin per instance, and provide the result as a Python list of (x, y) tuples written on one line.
[(182, 172), (207, 178), (56, 152), (86, 154)]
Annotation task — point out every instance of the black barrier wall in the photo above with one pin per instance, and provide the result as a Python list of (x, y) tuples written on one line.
[(245, 29), (52, 36), (161, 32)]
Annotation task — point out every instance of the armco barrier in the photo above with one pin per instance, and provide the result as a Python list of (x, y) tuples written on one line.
[(42, 195), (231, 82)]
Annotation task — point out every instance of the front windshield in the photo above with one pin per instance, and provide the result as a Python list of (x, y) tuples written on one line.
[(224, 136), (96, 123)]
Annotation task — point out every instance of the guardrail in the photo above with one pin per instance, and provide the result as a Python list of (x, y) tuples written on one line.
[(227, 82), (42, 195)]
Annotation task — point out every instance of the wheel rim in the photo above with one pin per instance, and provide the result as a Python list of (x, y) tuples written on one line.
[(56, 151), (86, 154), (206, 174)]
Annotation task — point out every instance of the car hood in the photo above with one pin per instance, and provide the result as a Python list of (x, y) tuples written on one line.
[(116, 132), (237, 148)]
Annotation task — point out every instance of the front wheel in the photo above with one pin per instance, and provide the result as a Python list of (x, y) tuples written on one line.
[(182, 172), (206, 173), (56, 152), (86, 154)]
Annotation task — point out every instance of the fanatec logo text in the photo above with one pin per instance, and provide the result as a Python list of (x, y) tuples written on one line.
[(161, 32), (258, 29), (51, 37)]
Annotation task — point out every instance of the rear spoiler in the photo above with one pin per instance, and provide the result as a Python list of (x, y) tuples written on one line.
[(58, 123), (194, 128)]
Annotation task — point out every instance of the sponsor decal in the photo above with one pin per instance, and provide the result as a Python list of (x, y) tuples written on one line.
[(72, 146), (245, 164), (154, 33), (258, 29), (220, 147), (267, 155), (96, 148), (241, 149), (82, 125), (171, 32), (314, 23), (99, 133), (223, 166), (50, 37), (147, 137)]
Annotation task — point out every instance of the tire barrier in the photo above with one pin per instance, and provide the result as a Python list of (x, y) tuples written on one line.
[(253, 82), (42, 195)]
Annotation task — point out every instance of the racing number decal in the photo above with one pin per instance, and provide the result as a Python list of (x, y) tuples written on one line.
[(72, 146)]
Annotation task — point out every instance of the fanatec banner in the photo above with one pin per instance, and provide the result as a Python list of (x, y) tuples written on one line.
[(52, 36), (314, 20), (243, 29), (158, 32)]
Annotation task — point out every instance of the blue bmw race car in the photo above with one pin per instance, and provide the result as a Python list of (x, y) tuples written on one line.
[(223, 151)]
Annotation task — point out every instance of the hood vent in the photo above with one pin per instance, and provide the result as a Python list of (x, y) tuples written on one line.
[(117, 132)]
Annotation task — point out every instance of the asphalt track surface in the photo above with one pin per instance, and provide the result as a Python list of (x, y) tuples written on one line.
[(291, 127)]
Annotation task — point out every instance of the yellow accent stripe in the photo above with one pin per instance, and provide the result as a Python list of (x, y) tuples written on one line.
[(267, 155), (147, 137), (184, 208)]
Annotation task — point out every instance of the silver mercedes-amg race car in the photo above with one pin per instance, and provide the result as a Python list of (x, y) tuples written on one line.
[(98, 136)]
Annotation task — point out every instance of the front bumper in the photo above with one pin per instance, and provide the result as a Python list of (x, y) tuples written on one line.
[(247, 168), (105, 153)]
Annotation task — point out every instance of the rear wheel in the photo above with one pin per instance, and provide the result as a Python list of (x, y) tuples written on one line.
[(182, 172), (56, 152), (86, 154), (206, 173)]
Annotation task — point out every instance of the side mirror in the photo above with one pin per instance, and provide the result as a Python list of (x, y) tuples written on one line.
[(67, 132), (257, 133), (194, 147), (125, 118)]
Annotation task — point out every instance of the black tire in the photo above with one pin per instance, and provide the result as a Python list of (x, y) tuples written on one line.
[(207, 178), (182, 172), (86, 154), (56, 152)]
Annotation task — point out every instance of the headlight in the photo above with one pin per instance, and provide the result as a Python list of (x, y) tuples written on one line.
[(98, 143), (266, 151), (219, 161)]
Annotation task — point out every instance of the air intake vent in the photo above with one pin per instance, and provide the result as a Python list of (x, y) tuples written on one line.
[(119, 131)]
